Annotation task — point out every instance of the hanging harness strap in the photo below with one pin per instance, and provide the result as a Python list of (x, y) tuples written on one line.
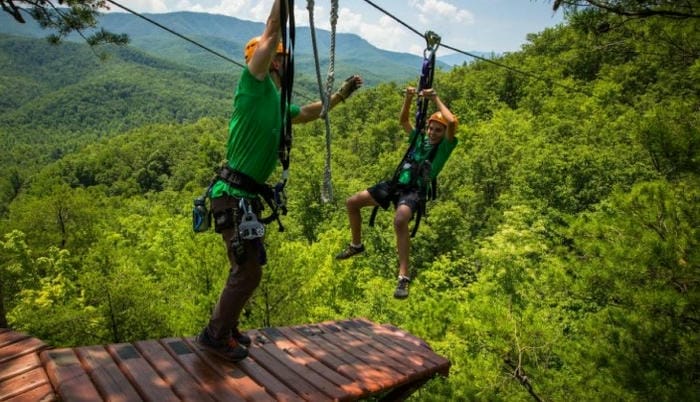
[(288, 41), (425, 82)]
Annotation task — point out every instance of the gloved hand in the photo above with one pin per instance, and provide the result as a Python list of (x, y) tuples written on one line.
[(351, 84)]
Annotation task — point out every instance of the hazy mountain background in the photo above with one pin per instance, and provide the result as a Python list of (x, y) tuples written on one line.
[(63, 97), (228, 35)]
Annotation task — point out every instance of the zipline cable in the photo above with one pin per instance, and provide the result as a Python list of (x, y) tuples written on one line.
[(176, 33), (512, 69), (190, 40)]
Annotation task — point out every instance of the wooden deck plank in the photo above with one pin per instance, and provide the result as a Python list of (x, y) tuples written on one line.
[(19, 348), (401, 352), (362, 352), (182, 383), (324, 377), (19, 365), (273, 360), (272, 384), (401, 338), (232, 374), (68, 376), (341, 375), (371, 377), (111, 383), (200, 370), (9, 337), (43, 393), (137, 369), (394, 359), (23, 383), (361, 385)]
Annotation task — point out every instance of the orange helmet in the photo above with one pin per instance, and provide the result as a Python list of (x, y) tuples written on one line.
[(252, 44), (438, 117)]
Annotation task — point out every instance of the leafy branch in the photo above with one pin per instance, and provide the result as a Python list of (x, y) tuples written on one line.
[(64, 18)]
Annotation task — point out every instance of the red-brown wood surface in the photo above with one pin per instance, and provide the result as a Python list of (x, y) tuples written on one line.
[(331, 361), (22, 377), (68, 374)]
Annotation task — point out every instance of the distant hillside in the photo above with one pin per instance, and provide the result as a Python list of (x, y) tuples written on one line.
[(57, 98), (228, 35)]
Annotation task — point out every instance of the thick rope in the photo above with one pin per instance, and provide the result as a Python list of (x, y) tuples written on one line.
[(327, 191), (327, 194)]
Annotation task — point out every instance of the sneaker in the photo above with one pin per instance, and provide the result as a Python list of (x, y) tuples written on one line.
[(350, 251), (401, 291), (243, 339), (229, 350)]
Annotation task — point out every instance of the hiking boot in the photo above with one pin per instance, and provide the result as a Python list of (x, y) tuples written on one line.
[(401, 291), (241, 338), (229, 350), (350, 251)]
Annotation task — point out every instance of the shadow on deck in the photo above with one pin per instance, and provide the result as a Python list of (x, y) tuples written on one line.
[(338, 360)]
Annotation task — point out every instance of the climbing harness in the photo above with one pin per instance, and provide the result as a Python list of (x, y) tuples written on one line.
[(327, 192), (420, 173)]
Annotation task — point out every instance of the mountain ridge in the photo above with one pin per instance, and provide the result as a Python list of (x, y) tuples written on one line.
[(227, 35)]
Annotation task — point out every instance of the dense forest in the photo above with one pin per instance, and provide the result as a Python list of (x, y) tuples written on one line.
[(561, 260)]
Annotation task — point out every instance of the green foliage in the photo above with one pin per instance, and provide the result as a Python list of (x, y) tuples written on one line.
[(80, 16), (560, 260)]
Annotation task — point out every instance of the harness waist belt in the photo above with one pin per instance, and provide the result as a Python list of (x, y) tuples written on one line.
[(246, 183), (243, 182)]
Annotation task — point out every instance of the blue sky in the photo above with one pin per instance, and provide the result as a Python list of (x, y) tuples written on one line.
[(470, 25)]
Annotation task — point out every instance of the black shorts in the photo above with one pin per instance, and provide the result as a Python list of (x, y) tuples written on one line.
[(382, 194)]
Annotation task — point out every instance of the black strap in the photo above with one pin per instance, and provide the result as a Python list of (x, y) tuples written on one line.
[(373, 216), (242, 181), (287, 14)]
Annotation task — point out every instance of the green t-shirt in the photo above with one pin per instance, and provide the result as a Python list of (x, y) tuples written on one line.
[(254, 132), (422, 151)]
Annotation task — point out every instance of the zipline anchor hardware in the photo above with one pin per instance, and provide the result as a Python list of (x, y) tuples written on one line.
[(432, 41)]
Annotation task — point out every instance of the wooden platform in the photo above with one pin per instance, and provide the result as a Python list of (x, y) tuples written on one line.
[(339, 360)]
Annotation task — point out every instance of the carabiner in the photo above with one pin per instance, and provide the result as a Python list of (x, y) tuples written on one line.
[(432, 41)]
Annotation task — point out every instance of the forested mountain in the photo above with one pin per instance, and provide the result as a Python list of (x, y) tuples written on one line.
[(228, 36), (561, 260), (57, 99)]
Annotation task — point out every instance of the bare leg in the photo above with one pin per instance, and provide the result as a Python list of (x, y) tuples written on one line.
[(401, 219), (354, 205)]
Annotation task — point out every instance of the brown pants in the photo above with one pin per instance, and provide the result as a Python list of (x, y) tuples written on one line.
[(242, 280)]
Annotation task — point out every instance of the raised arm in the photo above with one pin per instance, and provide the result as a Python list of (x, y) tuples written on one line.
[(259, 63), (405, 109), (446, 113), (312, 111)]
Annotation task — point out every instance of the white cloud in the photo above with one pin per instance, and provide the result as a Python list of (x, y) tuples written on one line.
[(233, 7), (321, 17), (496, 28), (437, 10)]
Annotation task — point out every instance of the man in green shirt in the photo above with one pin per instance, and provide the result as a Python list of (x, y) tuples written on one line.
[(251, 151), (407, 192)]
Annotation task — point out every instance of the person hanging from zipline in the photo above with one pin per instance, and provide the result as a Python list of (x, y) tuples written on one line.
[(256, 134), (410, 187)]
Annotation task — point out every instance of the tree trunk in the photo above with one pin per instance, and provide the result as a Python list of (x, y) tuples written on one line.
[(3, 318)]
